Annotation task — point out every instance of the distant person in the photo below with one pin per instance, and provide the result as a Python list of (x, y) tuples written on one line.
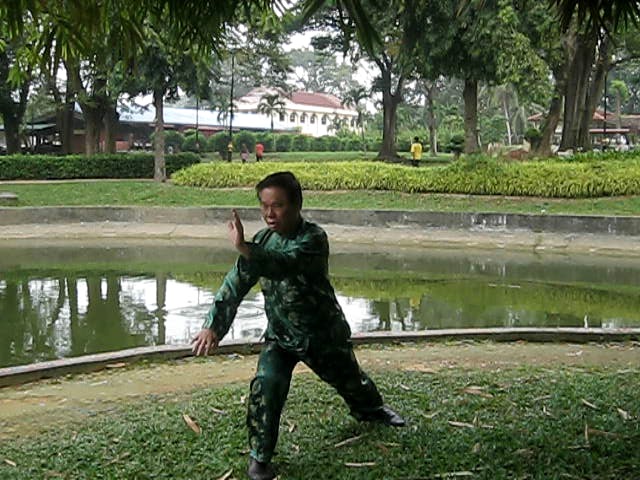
[(290, 260), (244, 153), (229, 150), (416, 151), (259, 151)]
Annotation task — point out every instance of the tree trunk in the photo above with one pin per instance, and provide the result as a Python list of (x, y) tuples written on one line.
[(92, 125), (110, 129), (12, 111), (12, 134), (594, 93), (431, 119), (159, 169), (390, 103), (470, 94), (507, 120), (581, 52), (550, 123)]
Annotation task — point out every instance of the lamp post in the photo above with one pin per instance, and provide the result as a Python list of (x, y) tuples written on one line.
[(230, 146), (604, 126)]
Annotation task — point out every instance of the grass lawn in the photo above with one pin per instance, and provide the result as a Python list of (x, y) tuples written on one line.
[(526, 423), (150, 194)]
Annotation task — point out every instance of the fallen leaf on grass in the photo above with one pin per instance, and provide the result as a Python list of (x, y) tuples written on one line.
[(476, 448), (624, 414), (116, 365), (546, 412), (589, 404), (404, 387), (418, 367), (453, 474), (242, 399), (226, 475), (460, 424), (602, 433), (292, 426), (574, 354), (54, 474), (429, 416), (118, 458), (359, 465), (477, 391), (348, 441), (192, 425), (543, 397), (10, 462)]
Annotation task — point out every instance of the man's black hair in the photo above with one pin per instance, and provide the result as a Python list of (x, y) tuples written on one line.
[(416, 139), (286, 181)]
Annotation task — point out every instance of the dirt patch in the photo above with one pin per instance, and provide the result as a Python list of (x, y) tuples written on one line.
[(30, 408)]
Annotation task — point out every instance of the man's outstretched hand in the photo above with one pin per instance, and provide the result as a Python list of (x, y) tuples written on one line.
[(204, 342), (236, 234)]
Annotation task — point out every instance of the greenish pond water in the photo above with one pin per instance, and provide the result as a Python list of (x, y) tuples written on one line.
[(62, 301)]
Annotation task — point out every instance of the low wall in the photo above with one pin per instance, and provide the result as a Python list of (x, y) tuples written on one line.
[(88, 363), (562, 224)]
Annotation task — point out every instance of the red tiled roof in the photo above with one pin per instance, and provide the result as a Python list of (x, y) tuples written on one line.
[(316, 99)]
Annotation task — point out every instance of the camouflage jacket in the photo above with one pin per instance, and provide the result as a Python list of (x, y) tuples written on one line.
[(300, 302)]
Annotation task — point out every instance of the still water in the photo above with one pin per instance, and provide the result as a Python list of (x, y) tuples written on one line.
[(69, 300)]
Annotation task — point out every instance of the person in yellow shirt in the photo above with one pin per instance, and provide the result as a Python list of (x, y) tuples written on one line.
[(416, 151)]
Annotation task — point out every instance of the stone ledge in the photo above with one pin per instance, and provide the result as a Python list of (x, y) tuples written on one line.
[(89, 363), (8, 198)]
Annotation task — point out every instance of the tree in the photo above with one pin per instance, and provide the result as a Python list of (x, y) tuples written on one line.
[(15, 80), (621, 92), (270, 105), (390, 56), (162, 68), (318, 71), (354, 98)]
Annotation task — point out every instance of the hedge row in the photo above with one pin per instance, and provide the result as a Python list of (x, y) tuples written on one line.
[(122, 165), (477, 176)]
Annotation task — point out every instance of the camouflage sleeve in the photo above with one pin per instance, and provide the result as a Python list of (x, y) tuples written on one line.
[(310, 255), (235, 286)]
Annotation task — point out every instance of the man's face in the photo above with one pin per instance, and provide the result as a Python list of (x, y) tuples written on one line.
[(278, 212)]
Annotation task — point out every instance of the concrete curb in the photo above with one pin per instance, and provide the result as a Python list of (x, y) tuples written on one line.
[(490, 222), (89, 363)]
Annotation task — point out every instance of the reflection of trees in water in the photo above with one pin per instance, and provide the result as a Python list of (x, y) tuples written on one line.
[(28, 318), (42, 319)]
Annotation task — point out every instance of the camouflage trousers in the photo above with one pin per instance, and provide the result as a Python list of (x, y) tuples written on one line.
[(335, 364)]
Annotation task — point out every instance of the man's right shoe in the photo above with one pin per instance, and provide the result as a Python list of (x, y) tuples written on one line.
[(383, 415), (260, 471)]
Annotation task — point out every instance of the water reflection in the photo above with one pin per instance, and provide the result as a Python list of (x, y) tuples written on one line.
[(107, 299)]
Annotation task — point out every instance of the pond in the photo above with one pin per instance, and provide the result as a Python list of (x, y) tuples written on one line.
[(64, 300)]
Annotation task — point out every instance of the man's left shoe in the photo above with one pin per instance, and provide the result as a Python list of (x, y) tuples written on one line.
[(383, 415), (260, 471)]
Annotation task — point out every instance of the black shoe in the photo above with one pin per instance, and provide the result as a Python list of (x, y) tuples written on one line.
[(260, 471), (383, 415)]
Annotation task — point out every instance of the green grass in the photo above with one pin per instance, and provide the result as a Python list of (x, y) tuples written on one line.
[(153, 194), (528, 423)]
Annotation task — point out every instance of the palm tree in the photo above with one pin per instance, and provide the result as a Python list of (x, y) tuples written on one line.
[(270, 104), (621, 92), (353, 98)]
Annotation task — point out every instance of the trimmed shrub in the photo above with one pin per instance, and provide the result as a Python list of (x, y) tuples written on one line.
[(190, 143), (319, 144), (218, 142), (301, 143), (244, 137), (333, 143), (284, 142), (476, 175), (121, 165), (172, 140)]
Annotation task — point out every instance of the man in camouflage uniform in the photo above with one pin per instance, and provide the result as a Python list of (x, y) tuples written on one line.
[(305, 322)]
